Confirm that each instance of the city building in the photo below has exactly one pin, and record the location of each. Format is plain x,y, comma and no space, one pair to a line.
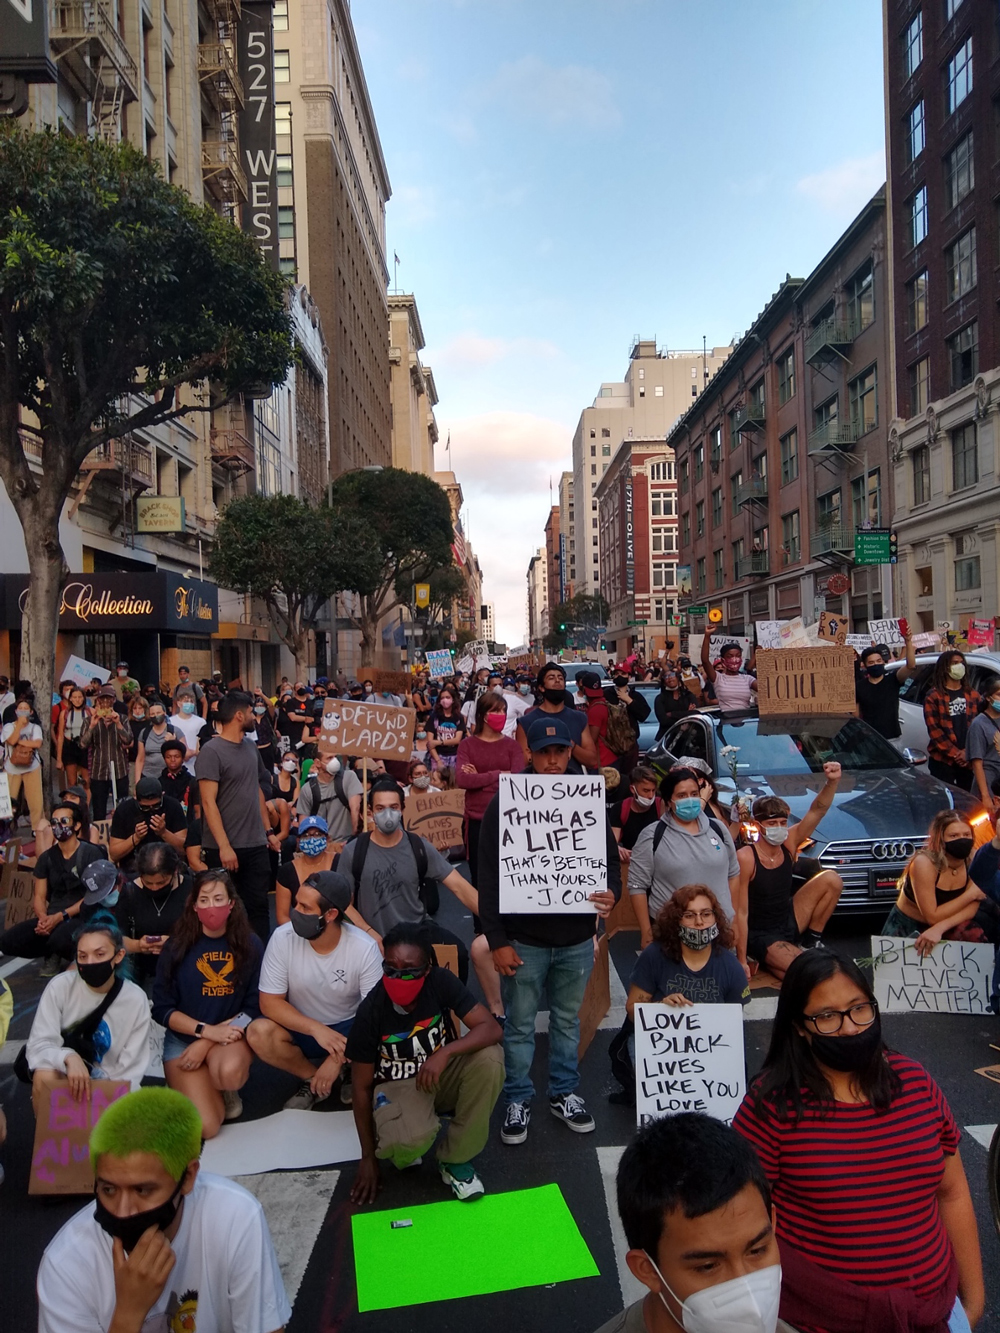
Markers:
414,395
465,616
553,561
489,622
659,385
942,115
538,598
637,512
567,539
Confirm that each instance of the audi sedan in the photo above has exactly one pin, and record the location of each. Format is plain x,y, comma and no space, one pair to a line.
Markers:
882,809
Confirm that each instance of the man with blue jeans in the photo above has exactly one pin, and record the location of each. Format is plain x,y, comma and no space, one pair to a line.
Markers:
541,952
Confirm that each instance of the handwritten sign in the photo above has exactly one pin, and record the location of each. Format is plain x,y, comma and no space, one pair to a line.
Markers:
438,816
833,628
806,681
81,672
440,663
859,642
19,893
103,827
769,633
60,1162
888,632
396,682
954,979
688,1059
979,633
553,842
927,640
375,731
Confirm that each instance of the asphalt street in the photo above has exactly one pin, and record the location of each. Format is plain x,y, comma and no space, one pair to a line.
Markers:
310,1213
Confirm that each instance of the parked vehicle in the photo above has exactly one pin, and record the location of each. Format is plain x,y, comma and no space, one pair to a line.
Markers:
983,667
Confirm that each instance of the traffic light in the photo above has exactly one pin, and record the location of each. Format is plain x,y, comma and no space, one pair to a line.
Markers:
893,548
562,628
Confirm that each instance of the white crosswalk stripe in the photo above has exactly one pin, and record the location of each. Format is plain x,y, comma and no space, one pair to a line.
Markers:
983,1134
631,1288
295,1204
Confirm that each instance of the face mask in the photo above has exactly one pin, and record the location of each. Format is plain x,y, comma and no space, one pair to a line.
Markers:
422,783
554,696
214,918
698,937
288,765
748,1303
959,848
403,992
306,927
388,821
62,832
129,1230
421,735
96,974
332,766
688,807
259,708
187,707
776,836
156,718
112,898
23,713
876,671
312,846
957,671
848,1054
496,720
123,675
731,667
446,702
643,802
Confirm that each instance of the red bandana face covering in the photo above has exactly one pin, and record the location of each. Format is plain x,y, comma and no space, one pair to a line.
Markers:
403,992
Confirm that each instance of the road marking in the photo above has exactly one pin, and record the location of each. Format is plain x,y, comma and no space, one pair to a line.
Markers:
983,1134
760,1009
295,1204
14,965
631,1288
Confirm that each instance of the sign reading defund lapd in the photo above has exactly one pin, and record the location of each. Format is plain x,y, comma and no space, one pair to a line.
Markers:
553,842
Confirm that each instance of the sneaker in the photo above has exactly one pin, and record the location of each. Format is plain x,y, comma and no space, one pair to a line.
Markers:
417,1161
346,1092
52,965
233,1104
463,1181
572,1111
304,1099
816,943
515,1123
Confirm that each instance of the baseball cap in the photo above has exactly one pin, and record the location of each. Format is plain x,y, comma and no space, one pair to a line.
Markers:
544,731
335,887
146,788
79,792
101,878
106,692
313,822
590,683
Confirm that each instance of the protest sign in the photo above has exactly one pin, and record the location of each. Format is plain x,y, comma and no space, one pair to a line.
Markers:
553,842
716,643
439,663
596,998
437,816
955,978
928,640
372,731
395,682
81,672
885,631
979,633
833,628
11,854
688,1059
769,633
103,827
858,641
60,1162
476,648
6,808
810,681
19,893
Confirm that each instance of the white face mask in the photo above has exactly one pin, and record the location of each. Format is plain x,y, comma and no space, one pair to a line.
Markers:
749,1304
288,765
332,766
956,671
776,836
643,802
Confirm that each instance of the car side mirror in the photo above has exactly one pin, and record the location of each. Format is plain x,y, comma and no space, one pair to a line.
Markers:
915,756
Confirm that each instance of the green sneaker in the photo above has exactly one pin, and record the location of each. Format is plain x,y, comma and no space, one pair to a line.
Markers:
463,1181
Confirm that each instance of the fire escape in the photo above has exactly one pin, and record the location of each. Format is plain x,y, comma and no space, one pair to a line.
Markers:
94,60
222,173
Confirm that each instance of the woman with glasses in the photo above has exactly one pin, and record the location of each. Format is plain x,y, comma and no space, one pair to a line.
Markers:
874,1217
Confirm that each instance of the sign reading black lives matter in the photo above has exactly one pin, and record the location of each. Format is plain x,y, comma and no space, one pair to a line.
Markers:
553,842
688,1059
954,978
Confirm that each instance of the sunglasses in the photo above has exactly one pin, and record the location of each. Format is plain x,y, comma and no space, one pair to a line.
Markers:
404,973
63,823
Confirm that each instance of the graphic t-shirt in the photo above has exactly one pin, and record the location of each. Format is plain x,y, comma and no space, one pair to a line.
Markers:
958,710
327,987
396,1042
720,981
447,731
205,984
63,875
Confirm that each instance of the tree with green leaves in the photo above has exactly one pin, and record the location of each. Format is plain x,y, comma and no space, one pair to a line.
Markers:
578,623
409,518
121,302
294,557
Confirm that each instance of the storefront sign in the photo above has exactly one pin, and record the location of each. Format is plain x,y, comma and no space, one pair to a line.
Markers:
159,513
629,540
257,128
160,601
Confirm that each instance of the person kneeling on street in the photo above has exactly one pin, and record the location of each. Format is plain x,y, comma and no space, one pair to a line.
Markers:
167,1246
408,1066
316,971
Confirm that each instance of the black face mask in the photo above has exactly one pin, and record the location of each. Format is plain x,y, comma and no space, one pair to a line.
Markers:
307,927
959,848
555,696
96,974
876,671
129,1230
848,1054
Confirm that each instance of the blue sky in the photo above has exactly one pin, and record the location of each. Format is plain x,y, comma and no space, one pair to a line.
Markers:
568,175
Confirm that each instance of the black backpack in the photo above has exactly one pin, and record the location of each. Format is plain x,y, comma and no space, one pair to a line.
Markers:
316,797
430,893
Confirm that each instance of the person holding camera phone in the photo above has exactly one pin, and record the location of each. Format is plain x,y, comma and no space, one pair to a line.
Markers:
147,818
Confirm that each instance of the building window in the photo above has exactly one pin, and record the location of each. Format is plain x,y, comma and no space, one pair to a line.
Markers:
951,8
735,482
964,457
963,355
913,44
282,67
286,224
716,506
869,510
828,509
918,217
916,131
916,302
658,391
699,462
920,383
282,118
658,610
863,396
283,169
683,478
642,390
789,457
968,576
654,508
685,529
699,518
702,581
920,462
280,15
960,265
605,432
959,171
757,396
790,537
738,551
606,450
593,469
786,376
593,451
593,434
663,575
960,75
861,298
734,435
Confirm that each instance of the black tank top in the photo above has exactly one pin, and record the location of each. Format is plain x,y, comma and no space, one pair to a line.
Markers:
941,896
770,892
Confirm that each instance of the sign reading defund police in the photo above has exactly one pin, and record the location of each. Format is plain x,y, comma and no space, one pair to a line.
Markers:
954,978
688,1059
553,842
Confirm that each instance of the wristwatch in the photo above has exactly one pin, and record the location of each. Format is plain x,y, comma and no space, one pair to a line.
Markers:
199,1029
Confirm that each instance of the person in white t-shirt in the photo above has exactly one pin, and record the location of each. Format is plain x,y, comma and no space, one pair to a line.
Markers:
167,1246
316,971
188,724
518,702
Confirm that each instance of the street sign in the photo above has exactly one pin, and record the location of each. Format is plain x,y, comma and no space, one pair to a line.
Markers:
697,610
676,622
872,546
638,622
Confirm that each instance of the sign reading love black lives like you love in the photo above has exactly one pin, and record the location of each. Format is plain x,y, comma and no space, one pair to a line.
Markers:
688,1059
553,842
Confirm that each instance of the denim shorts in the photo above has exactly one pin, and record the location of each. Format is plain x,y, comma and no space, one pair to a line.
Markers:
175,1044
311,1048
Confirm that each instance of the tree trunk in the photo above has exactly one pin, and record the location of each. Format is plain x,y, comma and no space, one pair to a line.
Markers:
300,647
368,625
40,618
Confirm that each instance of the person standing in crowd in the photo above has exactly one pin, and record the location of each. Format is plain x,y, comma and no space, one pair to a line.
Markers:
333,792
445,729
148,817
403,1079
234,813
982,748
615,743
315,854
22,741
185,685
937,892
557,702
187,722
71,757
686,846
265,718
673,701
518,702
124,683
107,739
316,971
641,808
877,690
205,995
149,761
949,708
175,780
150,905
64,1048
293,719
833,1107
543,951
138,723
167,1246
735,688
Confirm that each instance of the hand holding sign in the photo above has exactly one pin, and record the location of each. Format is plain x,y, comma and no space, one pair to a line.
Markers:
373,731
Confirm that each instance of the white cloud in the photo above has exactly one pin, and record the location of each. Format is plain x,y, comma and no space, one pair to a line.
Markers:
845,187
573,95
469,351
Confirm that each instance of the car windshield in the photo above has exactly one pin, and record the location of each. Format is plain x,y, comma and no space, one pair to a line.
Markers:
773,746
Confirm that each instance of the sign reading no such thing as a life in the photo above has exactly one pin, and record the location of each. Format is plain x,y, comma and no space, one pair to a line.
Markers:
371,731
553,842
688,1059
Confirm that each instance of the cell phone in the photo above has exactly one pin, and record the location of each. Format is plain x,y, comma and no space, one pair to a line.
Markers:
241,1021
154,939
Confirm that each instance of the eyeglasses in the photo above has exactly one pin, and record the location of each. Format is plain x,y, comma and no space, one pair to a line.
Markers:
691,918
832,1020
62,823
403,973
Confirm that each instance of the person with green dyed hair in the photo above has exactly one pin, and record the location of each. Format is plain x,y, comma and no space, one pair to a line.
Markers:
164,1245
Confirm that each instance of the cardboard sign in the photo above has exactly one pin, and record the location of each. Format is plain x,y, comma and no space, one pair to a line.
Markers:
438,816
373,731
688,1059
596,998
553,842
396,682
833,628
440,663
103,827
522,662
60,1162
446,956
980,633
806,681
954,979
885,631
81,672
19,894
928,640
11,857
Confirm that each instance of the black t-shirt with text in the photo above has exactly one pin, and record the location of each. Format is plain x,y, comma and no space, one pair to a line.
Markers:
879,704
398,1043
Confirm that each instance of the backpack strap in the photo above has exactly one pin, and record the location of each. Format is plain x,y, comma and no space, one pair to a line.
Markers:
338,787
658,833
419,853
714,824
315,797
358,858
660,807
626,810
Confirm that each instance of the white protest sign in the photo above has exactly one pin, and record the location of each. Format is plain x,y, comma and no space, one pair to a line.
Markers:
688,1059
769,633
81,672
928,640
466,664
439,662
477,648
6,809
885,631
716,643
858,641
954,979
553,842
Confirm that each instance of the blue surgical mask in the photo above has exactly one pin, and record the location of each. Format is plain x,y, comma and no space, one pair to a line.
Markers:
187,707
995,703
687,808
524,689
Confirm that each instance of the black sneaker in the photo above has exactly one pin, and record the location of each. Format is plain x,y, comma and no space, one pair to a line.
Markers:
572,1111
515,1123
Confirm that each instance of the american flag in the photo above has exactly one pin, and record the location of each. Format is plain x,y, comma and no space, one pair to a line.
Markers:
458,549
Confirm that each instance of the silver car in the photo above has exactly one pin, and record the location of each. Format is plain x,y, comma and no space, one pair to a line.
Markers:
982,669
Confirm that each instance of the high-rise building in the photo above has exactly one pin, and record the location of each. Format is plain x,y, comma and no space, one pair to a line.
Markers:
466,609
567,538
942,114
537,599
414,394
489,622
553,580
658,386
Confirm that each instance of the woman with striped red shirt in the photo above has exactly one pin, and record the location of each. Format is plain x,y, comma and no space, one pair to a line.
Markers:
874,1216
